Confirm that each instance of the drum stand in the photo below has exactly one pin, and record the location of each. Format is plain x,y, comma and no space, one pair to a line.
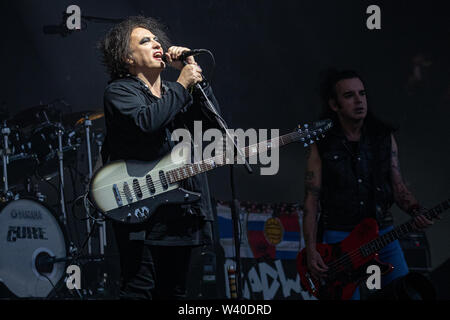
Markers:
72,248
61,174
5,157
101,225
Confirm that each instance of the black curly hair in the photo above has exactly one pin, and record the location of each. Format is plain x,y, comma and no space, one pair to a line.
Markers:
115,45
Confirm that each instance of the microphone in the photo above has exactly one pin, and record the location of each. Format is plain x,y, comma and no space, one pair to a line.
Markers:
44,263
189,53
186,54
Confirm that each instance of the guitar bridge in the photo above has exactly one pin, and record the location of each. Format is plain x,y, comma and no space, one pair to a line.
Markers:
117,195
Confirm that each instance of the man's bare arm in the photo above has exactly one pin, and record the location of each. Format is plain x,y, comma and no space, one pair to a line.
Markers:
402,195
313,177
313,182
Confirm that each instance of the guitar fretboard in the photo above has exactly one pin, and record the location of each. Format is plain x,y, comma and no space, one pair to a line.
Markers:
193,169
401,230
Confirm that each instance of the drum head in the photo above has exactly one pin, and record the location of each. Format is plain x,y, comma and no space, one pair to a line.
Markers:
29,229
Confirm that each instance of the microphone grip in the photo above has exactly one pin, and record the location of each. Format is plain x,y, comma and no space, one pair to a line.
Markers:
186,54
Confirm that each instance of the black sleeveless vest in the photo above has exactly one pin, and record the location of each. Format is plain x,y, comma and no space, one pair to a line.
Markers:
356,180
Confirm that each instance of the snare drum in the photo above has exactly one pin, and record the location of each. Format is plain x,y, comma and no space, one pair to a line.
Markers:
29,231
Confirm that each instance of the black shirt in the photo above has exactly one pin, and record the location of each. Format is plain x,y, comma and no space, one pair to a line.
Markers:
138,127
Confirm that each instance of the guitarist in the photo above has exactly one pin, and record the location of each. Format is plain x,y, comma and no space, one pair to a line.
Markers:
353,174
141,111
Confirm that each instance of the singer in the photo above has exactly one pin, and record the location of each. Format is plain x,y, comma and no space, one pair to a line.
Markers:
141,111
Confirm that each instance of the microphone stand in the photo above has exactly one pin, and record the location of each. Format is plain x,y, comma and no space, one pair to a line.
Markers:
235,210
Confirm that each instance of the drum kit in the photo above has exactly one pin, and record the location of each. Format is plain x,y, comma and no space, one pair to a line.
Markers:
35,246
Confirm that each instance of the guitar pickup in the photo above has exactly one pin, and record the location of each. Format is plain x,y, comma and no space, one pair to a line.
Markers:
137,189
162,178
150,185
117,195
127,191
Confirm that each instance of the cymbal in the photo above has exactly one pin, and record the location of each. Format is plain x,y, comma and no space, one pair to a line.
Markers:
77,118
35,115
93,116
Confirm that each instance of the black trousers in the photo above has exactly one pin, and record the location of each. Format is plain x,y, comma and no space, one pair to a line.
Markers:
153,272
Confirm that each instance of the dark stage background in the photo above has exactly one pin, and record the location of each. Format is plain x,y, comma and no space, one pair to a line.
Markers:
268,55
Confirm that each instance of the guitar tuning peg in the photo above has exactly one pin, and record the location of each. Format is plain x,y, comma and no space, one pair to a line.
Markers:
305,145
302,139
314,133
317,138
311,141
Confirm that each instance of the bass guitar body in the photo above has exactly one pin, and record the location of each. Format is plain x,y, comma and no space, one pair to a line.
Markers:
131,191
346,262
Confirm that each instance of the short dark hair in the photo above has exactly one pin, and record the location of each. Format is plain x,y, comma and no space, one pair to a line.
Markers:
114,46
329,78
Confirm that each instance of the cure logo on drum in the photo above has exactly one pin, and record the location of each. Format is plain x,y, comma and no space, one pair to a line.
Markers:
15,233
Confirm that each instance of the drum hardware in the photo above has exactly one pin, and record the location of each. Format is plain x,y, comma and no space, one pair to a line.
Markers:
61,174
99,137
44,264
35,116
6,151
87,122
45,144
33,189
84,119
18,162
36,143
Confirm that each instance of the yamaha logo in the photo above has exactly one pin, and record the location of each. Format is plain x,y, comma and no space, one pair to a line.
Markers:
26,214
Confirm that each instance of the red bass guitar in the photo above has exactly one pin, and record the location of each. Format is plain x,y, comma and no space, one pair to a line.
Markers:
348,260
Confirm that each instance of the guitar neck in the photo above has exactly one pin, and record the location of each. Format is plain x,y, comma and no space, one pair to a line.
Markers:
401,230
192,169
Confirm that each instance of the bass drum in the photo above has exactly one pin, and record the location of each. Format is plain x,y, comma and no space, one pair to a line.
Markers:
30,233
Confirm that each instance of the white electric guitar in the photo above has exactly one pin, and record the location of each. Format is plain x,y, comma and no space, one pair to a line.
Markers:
130,191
